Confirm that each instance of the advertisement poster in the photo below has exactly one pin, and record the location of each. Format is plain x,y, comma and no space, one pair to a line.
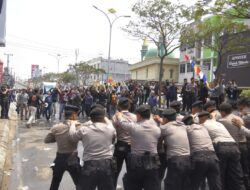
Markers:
34,71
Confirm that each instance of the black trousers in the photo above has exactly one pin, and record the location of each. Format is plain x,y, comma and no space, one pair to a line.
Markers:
120,155
96,174
177,174
61,165
5,109
142,179
244,163
205,165
191,99
230,166
163,165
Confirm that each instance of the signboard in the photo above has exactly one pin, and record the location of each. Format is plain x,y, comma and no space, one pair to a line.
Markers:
235,62
1,71
238,60
35,72
2,22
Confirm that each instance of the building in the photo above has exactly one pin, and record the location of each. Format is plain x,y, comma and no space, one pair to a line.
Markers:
206,58
118,69
148,68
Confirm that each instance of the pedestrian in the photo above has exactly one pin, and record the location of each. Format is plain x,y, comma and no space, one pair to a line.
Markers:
4,100
113,99
185,96
22,101
66,156
227,151
33,104
202,92
63,99
54,94
88,102
192,90
123,144
204,162
97,139
48,106
239,137
174,136
152,102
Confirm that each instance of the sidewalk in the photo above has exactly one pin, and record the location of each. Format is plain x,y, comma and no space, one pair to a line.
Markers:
5,127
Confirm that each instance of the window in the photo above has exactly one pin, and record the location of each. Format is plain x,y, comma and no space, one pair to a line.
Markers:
171,71
189,67
207,63
183,48
182,68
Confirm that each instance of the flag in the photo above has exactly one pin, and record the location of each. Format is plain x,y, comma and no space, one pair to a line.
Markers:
186,58
193,63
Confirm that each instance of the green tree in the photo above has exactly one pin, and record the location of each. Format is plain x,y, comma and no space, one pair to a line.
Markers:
208,33
67,77
83,71
160,21
232,9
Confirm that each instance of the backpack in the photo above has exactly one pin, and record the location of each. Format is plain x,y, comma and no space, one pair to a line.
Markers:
113,99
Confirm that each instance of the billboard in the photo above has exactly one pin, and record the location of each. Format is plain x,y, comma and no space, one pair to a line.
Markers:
235,62
2,22
1,71
35,71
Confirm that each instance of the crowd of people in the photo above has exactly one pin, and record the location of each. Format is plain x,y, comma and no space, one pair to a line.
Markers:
201,138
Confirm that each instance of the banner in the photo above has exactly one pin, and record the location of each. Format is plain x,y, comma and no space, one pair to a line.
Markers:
35,72
2,22
1,71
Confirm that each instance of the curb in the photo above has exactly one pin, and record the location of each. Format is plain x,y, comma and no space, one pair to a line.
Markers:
4,138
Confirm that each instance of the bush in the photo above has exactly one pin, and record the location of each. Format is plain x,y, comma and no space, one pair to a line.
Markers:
245,93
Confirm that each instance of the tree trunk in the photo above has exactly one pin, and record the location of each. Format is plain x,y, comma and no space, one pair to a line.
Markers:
160,80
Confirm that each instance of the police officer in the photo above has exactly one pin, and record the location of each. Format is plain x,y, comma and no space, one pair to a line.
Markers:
97,138
244,108
176,105
227,152
204,160
143,162
196,109
239,137
175,137
210,106
66,157
123,145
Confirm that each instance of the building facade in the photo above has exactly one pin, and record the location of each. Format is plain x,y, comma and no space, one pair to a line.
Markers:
118,69
206,58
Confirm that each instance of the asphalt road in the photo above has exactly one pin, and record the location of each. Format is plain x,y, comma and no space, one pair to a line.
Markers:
31,159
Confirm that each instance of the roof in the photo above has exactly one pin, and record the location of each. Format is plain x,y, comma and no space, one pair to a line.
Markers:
152,61
153,52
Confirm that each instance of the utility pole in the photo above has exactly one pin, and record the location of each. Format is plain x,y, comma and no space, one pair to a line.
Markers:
8,61
58,58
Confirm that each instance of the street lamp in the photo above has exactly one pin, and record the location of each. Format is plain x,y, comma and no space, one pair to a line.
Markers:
58,58
8,61
111,23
